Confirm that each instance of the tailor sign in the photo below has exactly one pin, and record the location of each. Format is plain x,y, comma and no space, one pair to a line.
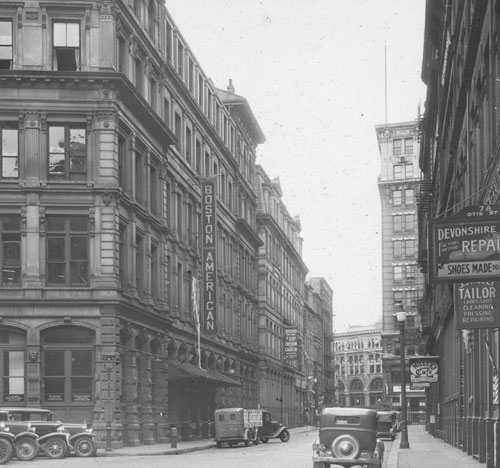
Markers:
209,254
424,369
477,304
466,247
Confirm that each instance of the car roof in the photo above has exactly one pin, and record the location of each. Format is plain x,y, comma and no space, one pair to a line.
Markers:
342,411
25,409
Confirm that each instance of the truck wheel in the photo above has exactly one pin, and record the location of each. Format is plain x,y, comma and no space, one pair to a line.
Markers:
218,444
26,449
6,451
85,447
55,448
285,436
264,440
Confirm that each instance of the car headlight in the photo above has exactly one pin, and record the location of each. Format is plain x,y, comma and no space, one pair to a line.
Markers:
3,427
61,429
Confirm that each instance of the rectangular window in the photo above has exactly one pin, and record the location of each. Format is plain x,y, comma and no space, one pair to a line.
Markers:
66,51
54,375
397,222
155,272
398,272
409,222
154,194
122,56
180,59
68,375
139,76
13,375
67,152
122,164
408,145
81,375
396,197
5,45
198,156
153,90
396,147
11,249
166,111
139,178
189,145
397,248
410,247
123,250
398,299
409,196
9,151
139,264
397,171
411,272
408,171
178,130
67,250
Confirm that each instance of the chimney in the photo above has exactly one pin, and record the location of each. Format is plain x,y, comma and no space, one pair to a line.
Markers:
230,87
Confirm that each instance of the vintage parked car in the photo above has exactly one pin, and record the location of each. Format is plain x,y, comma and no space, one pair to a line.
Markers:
236,425
272,429
80,438
21,441
387,424
348,437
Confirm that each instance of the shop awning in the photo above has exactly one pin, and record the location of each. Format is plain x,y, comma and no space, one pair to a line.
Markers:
185,371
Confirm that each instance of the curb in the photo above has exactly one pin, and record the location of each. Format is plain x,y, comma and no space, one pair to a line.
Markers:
177,451
392,461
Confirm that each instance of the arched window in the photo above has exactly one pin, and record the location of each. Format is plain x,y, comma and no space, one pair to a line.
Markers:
68,365
376,391
357,395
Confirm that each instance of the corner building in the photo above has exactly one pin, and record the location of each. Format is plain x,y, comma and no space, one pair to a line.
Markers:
460,162
108,125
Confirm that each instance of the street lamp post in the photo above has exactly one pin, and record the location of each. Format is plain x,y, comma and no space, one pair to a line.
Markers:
404,444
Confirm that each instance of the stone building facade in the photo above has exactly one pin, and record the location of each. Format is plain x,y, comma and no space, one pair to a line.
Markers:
128,220
358,358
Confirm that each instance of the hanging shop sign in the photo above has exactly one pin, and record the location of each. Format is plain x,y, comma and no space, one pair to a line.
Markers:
291,346
209,243
424,369
466,247
477,304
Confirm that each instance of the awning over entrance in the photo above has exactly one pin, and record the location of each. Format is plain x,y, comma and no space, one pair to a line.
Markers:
185,371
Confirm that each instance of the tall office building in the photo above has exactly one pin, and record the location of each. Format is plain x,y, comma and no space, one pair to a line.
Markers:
398,183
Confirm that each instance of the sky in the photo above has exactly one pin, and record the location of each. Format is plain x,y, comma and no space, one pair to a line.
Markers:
314,74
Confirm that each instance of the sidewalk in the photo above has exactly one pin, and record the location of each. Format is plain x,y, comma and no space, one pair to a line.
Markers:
182,447
427,451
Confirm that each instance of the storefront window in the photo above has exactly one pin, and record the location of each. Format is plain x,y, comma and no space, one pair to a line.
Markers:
12,352
68,365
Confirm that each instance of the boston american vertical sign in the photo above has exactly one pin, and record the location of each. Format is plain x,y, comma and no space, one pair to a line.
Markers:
209,243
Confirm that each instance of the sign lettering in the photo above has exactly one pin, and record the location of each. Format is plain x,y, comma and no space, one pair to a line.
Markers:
209,243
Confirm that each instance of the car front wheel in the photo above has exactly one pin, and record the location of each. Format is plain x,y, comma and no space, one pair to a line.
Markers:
85,447
285,436
26,449
55,448
6,451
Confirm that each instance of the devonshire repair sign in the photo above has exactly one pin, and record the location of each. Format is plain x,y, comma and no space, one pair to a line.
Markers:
466,247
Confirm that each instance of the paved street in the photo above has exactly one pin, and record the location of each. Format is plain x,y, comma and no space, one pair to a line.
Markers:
294,454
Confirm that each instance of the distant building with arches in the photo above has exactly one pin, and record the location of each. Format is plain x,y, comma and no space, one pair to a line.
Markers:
357,355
